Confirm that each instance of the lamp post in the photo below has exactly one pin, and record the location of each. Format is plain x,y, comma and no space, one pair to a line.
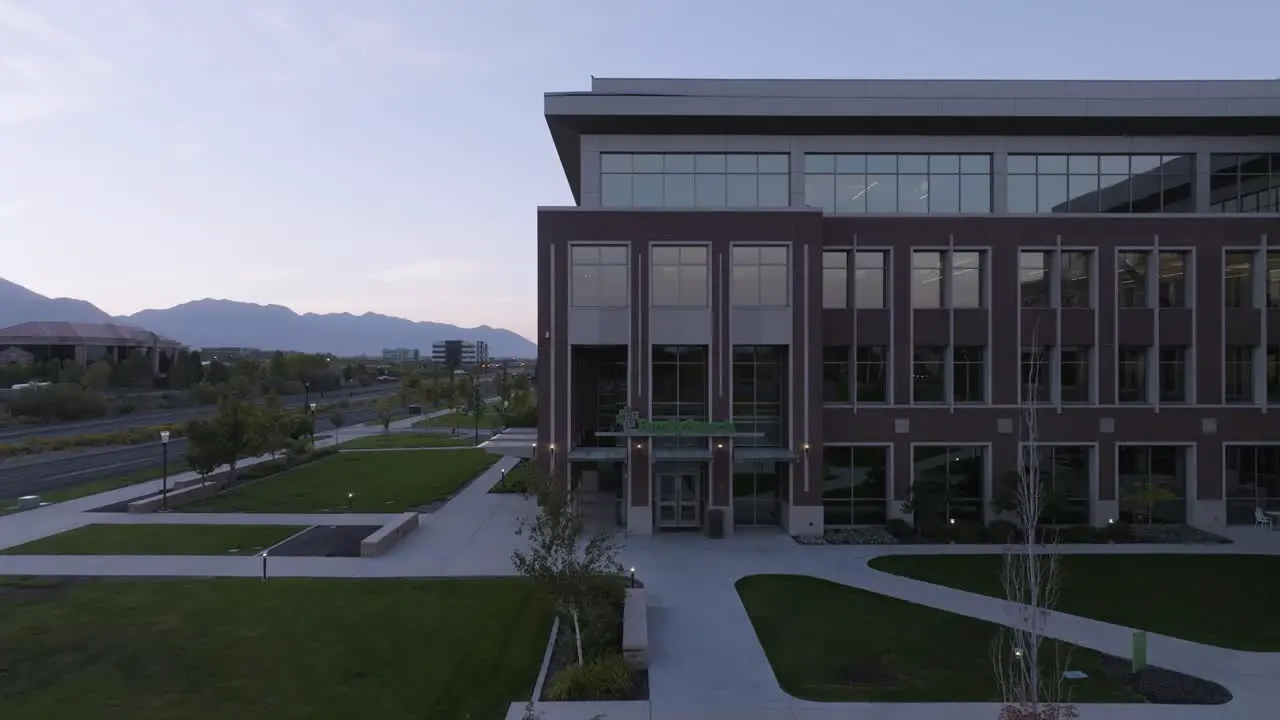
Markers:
475,408
164,483
311,407
306,393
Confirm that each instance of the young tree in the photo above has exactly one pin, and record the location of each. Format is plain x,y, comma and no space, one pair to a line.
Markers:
337,419
1030,680
384,413
238,427
557,560
478,408
274,430
204,452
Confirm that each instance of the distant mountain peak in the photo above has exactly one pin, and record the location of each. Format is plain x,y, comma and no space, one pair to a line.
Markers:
217,322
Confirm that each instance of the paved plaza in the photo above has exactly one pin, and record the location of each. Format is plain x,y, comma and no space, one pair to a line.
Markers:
705,660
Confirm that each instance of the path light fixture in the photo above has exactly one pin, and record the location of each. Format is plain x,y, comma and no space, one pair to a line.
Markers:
951,521
312,407
264,566
164,482
633,577
350,499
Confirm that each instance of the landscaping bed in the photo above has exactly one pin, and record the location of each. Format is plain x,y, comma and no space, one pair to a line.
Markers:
383,482
158,539
326,541
605,674
829,642
1001,532
516,480
1224,600
320,649
405,440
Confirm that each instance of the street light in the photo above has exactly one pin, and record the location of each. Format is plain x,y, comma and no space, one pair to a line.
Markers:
164,486
312,407
306,393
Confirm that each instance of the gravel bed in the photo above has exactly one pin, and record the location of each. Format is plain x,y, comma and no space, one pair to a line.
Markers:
325,541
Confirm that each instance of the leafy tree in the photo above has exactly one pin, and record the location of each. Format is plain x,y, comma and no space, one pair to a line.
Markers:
97,377
238,429
557,560
204,448
183,373
274,430
384,413
217,373
337,419
134,371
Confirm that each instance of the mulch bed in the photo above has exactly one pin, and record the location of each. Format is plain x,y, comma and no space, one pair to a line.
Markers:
564,654
1166,687
1129,535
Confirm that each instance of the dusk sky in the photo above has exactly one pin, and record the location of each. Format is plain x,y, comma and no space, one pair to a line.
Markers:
388,156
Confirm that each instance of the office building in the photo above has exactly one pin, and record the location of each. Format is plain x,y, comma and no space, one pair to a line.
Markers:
400,355
789,301
460,354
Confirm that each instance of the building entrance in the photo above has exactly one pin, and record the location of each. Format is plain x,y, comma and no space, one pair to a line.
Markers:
679,500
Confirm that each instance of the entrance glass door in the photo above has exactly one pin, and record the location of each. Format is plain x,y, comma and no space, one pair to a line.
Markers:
679,500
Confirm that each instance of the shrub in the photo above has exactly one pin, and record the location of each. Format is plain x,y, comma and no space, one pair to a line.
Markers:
58,403
898,527
968,532
1002,531
602,679
1077,534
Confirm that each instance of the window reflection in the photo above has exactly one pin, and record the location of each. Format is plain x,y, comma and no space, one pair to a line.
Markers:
1131,279
869,279
1238,280
1244,183
884,183
678,180
926,279
1100,183
1033,276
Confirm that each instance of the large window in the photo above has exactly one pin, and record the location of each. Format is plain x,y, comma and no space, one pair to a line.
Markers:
1036,376
1131,371
1273,374
1033,277
680,275
759,276
835,279
1132,268
951,475
871,373
898,183
855,485
967,375
1172,367
679,389
1245,183
938,276
1273,279
1100,183
928,384
1074,374
599,276
758,372
1171,278
1153,483
869,279
710,180
1064,475
757,493
1252,481
1237,279
835,374
1237,374
1074,287
1037,270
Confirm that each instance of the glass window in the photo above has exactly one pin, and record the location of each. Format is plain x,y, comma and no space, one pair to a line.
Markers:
1238,280
1036,378
679,180
1063,471
869,270
928,385
1131,278
926,279
679,389
1131,368
871,373
1033,277
835,374
1238,374
679,276
966,279
1140,467
1074,374
835,279
1252,481
1273,279
1273,374
954,475
910,183
759,276
1100,184
967,375
1173,374
599,276
1173,279
855,487
758,372
1247,183
1074,284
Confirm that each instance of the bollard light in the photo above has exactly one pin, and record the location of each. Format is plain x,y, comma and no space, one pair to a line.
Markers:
633,577
264,566
349,500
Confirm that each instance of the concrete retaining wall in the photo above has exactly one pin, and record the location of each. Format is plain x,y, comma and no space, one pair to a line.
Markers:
182,496
635,628
388,535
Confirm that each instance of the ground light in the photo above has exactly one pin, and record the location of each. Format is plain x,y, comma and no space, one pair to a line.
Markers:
164,482
633,577
349,500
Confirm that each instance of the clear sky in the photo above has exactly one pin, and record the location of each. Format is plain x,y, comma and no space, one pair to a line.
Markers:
388,155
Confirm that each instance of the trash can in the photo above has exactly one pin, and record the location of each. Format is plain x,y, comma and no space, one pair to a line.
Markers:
715,524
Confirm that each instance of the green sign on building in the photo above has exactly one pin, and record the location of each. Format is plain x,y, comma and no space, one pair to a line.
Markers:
629,423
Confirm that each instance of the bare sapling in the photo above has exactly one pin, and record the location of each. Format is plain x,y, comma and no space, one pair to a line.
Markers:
1028,674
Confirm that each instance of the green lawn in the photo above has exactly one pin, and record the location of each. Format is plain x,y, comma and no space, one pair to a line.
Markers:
516,480
406,440
491,420
833,643
382,482
1224,600
154,539
283,649
85,489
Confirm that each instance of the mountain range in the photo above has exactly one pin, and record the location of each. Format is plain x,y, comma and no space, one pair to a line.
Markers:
227,323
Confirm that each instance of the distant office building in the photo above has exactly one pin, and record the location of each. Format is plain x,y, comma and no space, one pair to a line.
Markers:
455,354
229,354
400,355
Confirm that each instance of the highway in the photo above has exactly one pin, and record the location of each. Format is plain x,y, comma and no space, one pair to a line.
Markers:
125,422
40,476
